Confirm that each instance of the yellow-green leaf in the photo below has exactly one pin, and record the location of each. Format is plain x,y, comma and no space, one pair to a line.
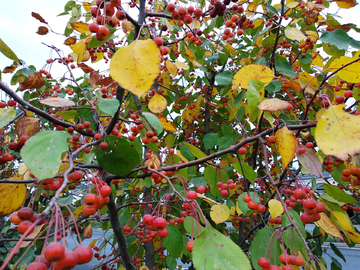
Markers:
275,208
286,145
350,73
294,34
252,72
195,151
338,133
157,103
135,67
8,52
219,213
6,115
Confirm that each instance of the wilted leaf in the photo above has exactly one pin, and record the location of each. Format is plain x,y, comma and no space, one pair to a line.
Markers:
181,65
157,103
275,208
351,73
94,78
311,162
293,85
32,235
12,197
38,17
6,115
167,125
70,41
219,213
294,34
345,27
42,30
35,80
171,68
57,102
286,144
135,67
27,126
85,67
88,231
346,3
312,18
273,104
10,69
126,26
80,26
252,72
328,226
338,133
5,50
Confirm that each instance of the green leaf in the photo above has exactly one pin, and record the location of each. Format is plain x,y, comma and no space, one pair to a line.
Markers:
192,226
94,43
42,153
337,252
124,216
6,115
109,106
354,43
213,250
225,142
185,151
339,38
338,194
306,59
171,262
120,157
153,121
243,205
250,174
285,69
240,113
66,200
263,245
195,151
273,87
253,96
199,181
173,242
224,78
210,140
8,52
211,177
238,99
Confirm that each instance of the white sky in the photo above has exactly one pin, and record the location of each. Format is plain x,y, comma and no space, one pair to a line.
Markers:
18,29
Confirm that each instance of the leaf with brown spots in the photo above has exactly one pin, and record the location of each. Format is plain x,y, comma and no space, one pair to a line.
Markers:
38,17
70,41
345,27
42,31
10,69
346,3
27,126
292,84
85,67
94,78
35,80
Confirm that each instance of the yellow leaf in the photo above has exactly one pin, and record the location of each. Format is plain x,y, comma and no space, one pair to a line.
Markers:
286,144
207,199
230,48
93,242
354,236
275,208
273,104
157,103
12,196
208,53
170,139
328,226
135,67
80,51
23,171
87,5
219,213
308,80
126,26
312,35
269,118
181,65
346,3
195,24
144,267
337,133
344,220
78,211
166,80
157,242
350,73
80,26
294,34
167,125
291,4
153,161
171,68
238,210
252,72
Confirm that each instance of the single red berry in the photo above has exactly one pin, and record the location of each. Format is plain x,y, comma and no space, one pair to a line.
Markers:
263,262
191,195
190,245
247,198
105,191
54,252
104,145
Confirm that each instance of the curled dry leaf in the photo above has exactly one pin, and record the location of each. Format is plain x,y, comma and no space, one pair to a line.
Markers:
27,126
38,17
35,80
42,30
126,26
10,69
57,102
88,231
105,82
94,78
273,104
85,67
345,27
70,41
293,85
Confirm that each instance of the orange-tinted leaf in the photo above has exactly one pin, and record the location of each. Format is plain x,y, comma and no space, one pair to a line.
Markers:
312,18
105,82
328,226
57,102
32,235
345,27
70,41
85,67
94,78
80,26
273,104
42,30
38,17
167,125
286,145
35,80
10,69
293,85
157,103
27,126
11,197
346,3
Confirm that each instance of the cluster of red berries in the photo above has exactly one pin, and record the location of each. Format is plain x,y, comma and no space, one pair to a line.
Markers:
94,202
224,187
156,224
285,259
24,218
184,15
346,175
312,210
253,205
150,136
58,258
